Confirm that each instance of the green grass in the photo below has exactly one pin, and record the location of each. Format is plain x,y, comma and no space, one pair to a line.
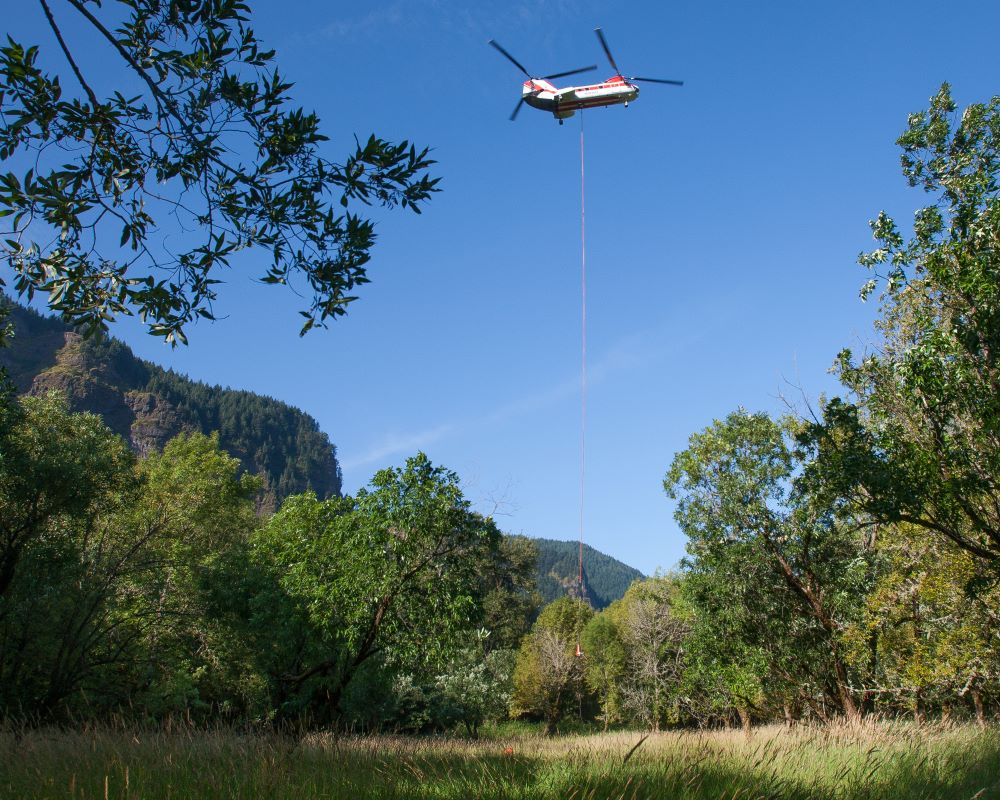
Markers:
875,761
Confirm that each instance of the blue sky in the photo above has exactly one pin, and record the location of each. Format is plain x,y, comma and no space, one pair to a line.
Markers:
723,223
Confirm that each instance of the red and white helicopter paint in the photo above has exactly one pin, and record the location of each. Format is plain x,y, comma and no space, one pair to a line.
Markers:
563,103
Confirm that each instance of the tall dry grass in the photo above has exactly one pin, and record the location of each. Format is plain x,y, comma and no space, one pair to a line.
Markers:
880,760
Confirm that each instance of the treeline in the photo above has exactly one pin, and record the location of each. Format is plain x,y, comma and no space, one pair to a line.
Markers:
800,621
151,588
604,578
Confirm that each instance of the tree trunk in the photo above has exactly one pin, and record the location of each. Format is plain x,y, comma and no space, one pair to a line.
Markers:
813,708
846,701
977,701
744,719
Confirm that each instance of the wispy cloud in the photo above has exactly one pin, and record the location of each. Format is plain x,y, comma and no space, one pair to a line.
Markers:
482,19
393,443
352,27
627,354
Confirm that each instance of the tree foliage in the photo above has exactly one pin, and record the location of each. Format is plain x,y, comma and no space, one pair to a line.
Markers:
742,501
635,653
549,677
390,573
201,139
921,443
53,464
107,604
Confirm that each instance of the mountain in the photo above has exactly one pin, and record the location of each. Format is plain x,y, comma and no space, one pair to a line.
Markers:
605,579
148,405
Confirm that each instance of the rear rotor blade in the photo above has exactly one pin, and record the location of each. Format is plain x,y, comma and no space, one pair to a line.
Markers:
658,80
571,72
510,58
607,50
516,109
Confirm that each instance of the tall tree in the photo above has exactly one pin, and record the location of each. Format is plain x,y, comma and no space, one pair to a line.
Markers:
605,666
510,596
109,606
921,443
194,511
740,502
60,474
133,201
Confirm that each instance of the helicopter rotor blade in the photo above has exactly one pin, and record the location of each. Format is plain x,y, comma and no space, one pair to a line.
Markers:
517,108
510,58
607,50
571,72
658,80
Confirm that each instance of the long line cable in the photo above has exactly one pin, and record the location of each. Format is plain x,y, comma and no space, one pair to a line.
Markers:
583,348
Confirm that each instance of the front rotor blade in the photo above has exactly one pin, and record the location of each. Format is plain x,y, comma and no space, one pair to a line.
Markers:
607,50
516,109
571,72
510,58
658,80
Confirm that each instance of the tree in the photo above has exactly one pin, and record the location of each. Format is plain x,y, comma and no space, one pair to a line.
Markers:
605,666
59,474
474,688
510,597
738,639
921,443
132,203
194,511
109,604
653,638
741,501
52,464
635,654
548,675
389,574
929,641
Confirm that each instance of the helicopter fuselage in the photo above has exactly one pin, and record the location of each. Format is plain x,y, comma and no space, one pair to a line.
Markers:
563,103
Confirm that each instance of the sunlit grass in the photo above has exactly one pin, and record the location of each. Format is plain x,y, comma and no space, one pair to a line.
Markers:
875,761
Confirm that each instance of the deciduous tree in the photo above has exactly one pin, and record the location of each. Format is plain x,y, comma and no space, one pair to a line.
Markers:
549,676
390,572
920,444
52,464
741,502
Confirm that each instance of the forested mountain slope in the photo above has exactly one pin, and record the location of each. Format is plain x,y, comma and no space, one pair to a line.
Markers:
148,405
605,579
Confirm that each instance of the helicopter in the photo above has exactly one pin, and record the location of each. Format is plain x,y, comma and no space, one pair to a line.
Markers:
563,103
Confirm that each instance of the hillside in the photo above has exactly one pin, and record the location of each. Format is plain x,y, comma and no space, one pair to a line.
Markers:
147,405
605,579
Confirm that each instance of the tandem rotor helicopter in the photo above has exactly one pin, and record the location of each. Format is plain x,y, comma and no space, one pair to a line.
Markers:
563,103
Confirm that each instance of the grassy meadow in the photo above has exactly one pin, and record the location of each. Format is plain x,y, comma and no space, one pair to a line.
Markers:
882,760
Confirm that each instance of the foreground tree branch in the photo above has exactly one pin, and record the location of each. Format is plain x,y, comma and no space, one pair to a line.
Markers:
212,154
